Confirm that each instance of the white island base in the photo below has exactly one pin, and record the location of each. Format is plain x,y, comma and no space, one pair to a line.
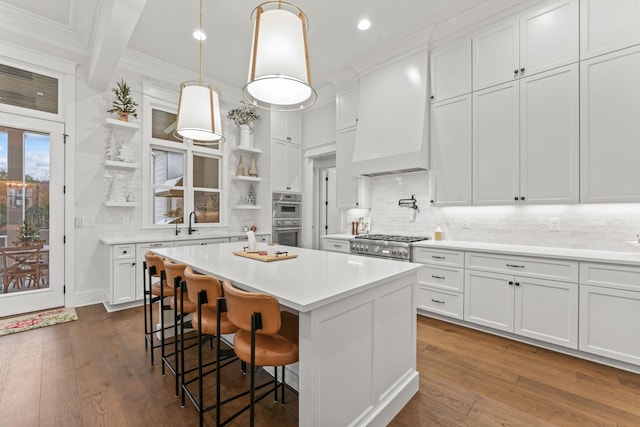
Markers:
357,326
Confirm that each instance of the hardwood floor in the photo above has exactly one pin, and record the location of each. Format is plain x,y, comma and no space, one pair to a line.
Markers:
96,372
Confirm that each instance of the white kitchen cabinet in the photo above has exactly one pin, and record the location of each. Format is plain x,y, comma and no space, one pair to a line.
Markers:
610,323
122,274
347,108
202,242
286,126
495,145
451,149
609,127
262,238
351,191
451,71
607,25
495,55
539,40
550,137
440,284
526,140
545,310
286,166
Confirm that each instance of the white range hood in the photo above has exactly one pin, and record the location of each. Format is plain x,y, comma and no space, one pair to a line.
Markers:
392,133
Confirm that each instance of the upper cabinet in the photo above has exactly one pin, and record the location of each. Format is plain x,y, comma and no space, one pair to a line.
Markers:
451,71
607,25
286,126
351,191
610,107
347,108
286,166
541,40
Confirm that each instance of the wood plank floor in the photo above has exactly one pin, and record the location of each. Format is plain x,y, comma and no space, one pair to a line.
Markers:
96,372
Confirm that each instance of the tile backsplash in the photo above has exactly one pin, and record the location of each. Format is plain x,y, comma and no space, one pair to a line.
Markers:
584,226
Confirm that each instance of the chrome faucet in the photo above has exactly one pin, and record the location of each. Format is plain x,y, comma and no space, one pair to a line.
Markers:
195,221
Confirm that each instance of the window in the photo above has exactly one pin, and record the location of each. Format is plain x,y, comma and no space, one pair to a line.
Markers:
183,176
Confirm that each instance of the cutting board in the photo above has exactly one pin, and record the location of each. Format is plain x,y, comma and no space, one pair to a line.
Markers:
262,256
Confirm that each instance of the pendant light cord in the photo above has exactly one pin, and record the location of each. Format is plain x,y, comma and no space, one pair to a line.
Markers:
201,37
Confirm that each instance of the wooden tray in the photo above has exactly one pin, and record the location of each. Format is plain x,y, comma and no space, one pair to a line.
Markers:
262,256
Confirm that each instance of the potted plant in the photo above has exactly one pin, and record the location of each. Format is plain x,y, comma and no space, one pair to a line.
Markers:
243,117
28,234
123,105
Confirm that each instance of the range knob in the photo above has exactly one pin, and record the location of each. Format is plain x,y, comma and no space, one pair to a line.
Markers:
376,249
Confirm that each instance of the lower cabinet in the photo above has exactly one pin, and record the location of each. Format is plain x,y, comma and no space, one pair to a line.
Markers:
545,310
336,245
440,282
610,311
141,249
123,277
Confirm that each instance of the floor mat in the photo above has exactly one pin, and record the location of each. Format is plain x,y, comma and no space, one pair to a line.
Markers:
25,322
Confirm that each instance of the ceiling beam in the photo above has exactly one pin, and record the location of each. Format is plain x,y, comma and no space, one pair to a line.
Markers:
115,22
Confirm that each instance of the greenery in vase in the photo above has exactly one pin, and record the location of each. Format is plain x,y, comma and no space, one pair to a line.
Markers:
27,233
244,115
124,103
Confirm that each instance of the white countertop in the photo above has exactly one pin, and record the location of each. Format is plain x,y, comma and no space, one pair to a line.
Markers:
121,240
313,279
630,258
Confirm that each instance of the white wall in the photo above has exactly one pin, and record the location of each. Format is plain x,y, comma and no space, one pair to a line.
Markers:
586,226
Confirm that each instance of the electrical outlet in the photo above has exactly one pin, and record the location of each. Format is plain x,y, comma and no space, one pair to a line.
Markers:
554,224
465,222
78,221
87,221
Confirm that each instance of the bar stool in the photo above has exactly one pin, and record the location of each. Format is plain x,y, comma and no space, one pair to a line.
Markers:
174,273
155,289
266,337
208,322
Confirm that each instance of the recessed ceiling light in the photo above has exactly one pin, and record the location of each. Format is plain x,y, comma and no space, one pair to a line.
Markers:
364,24
199,35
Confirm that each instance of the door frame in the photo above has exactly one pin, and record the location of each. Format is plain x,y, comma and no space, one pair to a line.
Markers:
66,73
310,186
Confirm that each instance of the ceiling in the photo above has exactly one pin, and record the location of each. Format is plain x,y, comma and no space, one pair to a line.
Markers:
162,29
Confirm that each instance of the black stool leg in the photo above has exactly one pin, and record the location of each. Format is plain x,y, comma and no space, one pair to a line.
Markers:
144,302
183,288
176,292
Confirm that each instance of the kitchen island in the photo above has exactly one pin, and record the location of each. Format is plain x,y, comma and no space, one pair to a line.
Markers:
357,326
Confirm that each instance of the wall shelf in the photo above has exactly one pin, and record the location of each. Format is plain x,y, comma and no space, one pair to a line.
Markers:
120,204
247,207
121,165
247,150
246,178
122,124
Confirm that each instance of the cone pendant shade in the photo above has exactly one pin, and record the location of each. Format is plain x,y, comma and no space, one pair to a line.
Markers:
199,112
279,74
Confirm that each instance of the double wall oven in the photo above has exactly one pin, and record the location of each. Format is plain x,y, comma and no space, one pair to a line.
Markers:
287,219
385,246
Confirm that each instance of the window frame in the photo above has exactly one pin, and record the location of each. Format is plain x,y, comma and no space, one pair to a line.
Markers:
189,150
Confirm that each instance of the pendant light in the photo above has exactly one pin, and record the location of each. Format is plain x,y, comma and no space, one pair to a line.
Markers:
279,74
199,109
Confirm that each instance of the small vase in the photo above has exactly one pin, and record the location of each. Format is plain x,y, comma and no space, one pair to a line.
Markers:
245,136
123,117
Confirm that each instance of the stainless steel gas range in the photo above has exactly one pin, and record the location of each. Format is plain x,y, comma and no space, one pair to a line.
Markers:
385,245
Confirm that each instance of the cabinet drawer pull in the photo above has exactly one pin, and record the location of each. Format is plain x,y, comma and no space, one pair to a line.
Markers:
437,301
337,246
515,266
437,257
438,277
153,245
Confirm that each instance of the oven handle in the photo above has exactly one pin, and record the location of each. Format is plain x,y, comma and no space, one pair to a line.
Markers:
278,202
276,229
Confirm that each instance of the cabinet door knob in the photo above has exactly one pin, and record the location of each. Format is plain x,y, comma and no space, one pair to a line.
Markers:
517,283
432,97
522,70
133,263
515,198
521,197
511,282
515,71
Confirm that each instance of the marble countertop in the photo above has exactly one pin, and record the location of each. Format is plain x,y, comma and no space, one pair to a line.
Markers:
614,257
313,279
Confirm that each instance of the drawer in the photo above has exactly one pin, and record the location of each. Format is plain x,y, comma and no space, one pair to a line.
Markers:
610,276
442,302
438,256
451,279
123,251
551,269
337,245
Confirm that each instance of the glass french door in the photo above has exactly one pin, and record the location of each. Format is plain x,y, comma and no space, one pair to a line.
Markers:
31,214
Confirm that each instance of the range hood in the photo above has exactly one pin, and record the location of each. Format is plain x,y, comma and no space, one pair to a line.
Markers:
392,133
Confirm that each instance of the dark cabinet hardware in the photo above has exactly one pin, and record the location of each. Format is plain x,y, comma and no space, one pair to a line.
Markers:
437,301
437,257
517,283
515,198
438,277
521,197
515,71
522,70
511,282
515,266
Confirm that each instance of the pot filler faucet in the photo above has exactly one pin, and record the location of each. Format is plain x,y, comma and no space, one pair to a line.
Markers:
195,221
